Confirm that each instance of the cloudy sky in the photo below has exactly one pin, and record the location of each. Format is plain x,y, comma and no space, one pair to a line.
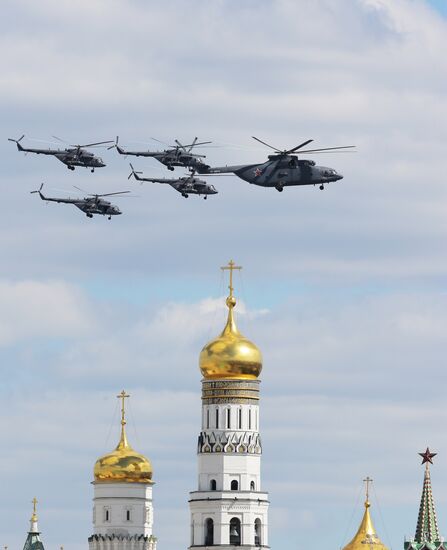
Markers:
343,290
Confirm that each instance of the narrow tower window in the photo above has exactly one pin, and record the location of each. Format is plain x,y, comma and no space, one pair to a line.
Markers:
257,532
213,485
106,515
249,419
207,418
252,485
217,418
235,531
234,485
209,532
240,418
127,515
228,418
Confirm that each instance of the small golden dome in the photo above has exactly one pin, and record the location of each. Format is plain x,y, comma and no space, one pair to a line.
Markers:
230,355
366,536
123,465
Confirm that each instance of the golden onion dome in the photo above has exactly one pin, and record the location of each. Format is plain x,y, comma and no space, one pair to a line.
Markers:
230,355
366,536
123,465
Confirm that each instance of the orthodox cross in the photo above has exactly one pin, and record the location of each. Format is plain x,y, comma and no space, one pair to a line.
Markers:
367,481
231,267
34,502
123,395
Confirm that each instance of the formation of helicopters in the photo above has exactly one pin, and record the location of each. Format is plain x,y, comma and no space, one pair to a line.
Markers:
282,169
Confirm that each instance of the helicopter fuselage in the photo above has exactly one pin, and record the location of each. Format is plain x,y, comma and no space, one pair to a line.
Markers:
282,171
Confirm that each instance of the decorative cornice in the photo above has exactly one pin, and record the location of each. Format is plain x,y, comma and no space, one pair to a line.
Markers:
229,442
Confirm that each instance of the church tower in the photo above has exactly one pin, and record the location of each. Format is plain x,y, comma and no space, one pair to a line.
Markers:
33,541
229,507
427,532
122,503
366,537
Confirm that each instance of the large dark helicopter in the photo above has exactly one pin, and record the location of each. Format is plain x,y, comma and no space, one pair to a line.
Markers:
92,204
175,155
283,168
188,185
72,156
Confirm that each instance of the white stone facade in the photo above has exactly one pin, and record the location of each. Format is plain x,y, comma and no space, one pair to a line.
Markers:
122,517
229,507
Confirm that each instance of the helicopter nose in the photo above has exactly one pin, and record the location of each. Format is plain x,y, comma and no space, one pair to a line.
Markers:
338,176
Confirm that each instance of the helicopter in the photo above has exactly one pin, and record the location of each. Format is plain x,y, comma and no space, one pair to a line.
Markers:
188,185
76,155
176,155
93,204
283,168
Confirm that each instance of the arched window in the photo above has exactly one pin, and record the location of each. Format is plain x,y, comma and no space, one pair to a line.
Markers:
257,532
252,485
228,418
217,418
234,485
235,531
213,485
209,532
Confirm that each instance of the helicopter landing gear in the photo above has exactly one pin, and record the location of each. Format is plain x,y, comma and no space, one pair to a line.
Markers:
279,188
205,197
71,167
170,168
89,215
321,187
109,218
92,170
185,195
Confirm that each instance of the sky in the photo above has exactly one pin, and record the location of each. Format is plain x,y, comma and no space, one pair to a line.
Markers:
343,290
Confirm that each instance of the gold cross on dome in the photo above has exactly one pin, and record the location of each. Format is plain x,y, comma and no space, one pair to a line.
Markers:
123,395
231,267
34,502
367,481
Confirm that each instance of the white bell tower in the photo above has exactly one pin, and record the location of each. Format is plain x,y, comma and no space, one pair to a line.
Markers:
122,503
229,507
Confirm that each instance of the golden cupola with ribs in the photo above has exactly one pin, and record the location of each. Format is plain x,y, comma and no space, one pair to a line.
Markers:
230,356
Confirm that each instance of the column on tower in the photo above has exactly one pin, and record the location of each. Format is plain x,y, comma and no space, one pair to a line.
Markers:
427,533
229,507
122,503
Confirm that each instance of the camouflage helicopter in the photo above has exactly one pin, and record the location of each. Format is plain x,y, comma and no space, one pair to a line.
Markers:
283,168
73,156
175,155
188,185
92,204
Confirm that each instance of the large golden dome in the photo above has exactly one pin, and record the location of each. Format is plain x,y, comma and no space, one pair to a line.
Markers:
230,355
123,465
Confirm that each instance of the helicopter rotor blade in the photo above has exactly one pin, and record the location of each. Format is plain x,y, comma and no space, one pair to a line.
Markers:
327,149
264,143
115,144
164,143
93,144
299,146
63,141
79,189
109,194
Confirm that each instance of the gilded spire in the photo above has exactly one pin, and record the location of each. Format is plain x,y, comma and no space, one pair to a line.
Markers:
427,525
33,541
33,521
123,443
366,534
230,355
